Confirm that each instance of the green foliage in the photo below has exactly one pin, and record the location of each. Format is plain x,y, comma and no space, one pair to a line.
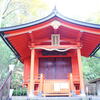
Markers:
15,12
91,67
20,91
5,54
6,58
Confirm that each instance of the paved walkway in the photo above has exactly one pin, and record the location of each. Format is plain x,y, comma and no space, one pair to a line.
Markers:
19,98
47,98
56,98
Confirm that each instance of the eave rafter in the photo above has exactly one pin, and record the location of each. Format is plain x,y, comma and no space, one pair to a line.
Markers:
25,31
55,24
31,37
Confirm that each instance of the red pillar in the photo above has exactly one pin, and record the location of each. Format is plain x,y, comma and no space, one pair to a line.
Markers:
26,70
80,71
36,65
31,89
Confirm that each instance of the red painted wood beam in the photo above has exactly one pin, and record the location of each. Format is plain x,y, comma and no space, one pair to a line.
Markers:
55,47
73,41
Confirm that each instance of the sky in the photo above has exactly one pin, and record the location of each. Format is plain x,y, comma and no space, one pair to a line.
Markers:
75,8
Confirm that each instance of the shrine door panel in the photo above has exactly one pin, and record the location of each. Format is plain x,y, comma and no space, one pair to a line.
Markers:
55,68
63,67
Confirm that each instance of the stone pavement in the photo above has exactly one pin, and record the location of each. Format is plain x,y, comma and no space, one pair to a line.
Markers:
56,98
19,97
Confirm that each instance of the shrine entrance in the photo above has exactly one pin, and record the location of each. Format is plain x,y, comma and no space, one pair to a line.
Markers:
56,72
55,67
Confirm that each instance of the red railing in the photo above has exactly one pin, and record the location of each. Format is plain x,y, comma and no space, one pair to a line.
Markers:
38,82
47,85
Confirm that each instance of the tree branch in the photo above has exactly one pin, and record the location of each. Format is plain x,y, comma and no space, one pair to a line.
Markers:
6,7
9,13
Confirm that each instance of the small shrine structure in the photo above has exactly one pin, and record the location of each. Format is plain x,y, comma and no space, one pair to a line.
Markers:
51,50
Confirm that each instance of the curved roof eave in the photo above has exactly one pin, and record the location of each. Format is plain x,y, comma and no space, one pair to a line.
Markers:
50,16
10,46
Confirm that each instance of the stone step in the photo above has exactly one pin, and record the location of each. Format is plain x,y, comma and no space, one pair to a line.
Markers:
59,98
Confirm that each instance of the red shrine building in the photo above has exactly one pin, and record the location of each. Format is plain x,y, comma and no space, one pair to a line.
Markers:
51,50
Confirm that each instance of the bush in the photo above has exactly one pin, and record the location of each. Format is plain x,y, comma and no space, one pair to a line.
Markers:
19,92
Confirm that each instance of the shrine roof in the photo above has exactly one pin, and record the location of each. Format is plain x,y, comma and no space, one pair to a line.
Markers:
50,16
95,80
18,37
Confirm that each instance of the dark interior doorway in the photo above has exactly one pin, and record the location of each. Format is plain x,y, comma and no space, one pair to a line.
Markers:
55,68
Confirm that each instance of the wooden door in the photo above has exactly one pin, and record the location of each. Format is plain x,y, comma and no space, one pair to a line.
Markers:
55,68
63,67
46,66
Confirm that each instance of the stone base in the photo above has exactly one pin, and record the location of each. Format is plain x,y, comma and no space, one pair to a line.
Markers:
73,93
82,93
30,96
40,94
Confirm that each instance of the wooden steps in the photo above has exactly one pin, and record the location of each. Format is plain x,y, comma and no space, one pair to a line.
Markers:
56,94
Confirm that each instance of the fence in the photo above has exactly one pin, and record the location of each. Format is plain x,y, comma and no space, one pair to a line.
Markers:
5,88
90,89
